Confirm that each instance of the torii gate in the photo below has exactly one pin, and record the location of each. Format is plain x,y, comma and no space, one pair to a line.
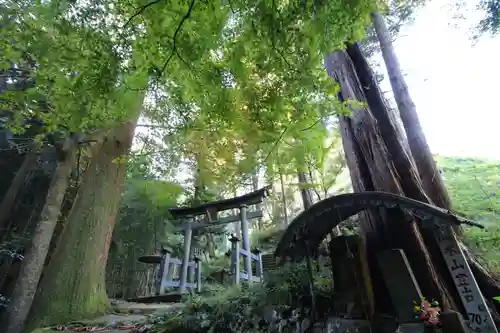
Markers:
211,210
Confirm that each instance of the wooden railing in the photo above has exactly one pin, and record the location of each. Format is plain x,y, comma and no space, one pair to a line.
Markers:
169,274
250,259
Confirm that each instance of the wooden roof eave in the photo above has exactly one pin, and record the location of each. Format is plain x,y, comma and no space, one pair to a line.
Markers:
221,205
315,223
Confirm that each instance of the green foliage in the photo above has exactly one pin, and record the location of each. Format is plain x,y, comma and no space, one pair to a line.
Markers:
490,23
146,201
242,77
213,267
266,239
241,309
474,187
142,226
68,75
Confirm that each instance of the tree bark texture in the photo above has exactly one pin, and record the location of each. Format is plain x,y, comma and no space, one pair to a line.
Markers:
412,186
73,286
373,167
304,189
133,237
255,186
426,166
15,187
283,199
431,180
33,263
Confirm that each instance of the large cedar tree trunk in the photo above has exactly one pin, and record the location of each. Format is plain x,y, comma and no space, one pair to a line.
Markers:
373,167
411,186
429,174
255,186
73,285
33,263
426,166
283,199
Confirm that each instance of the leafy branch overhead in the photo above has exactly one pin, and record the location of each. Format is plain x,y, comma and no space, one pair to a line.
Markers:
252,72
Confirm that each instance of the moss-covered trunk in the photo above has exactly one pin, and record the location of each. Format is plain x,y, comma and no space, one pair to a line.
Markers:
33,263
73,286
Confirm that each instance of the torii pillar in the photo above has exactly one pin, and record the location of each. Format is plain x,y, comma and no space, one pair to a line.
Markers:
188,235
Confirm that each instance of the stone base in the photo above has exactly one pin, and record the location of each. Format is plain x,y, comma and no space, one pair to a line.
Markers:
342,325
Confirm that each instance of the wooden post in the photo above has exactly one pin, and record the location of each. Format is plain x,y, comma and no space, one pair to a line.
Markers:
452,322
401,283
160,274
246,242
479,316
166,268
258,263
235,259
197,270
188,234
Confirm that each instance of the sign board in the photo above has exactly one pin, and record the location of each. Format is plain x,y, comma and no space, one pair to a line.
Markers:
479,316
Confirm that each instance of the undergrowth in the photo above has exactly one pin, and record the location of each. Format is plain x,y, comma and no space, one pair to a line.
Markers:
280,301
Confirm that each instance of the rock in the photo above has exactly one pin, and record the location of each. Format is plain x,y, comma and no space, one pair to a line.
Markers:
269,314
341,325
318,328
411,328
304,325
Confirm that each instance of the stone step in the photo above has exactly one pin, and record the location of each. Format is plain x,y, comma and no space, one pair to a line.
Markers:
268,262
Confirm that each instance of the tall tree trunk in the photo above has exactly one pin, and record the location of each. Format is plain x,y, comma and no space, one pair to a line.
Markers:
411,188
73,286
33,263
488,285
15,187
426,166
372,166
255,186
283,199
304,189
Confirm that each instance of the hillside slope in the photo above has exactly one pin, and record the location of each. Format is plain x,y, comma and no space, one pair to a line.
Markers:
474,187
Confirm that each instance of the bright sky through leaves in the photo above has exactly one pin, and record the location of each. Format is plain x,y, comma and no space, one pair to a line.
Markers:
453,83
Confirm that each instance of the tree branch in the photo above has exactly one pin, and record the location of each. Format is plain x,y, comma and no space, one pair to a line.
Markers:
174,48
275,144
140,11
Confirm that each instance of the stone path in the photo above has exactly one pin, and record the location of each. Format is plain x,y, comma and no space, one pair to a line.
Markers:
125,317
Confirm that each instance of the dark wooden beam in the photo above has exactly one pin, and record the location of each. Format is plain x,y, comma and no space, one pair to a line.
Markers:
248,199
224,220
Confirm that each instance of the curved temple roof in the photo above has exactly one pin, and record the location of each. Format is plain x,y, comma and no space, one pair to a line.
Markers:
316,222
251,198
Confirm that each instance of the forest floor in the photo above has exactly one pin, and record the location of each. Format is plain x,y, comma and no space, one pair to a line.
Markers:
125,317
